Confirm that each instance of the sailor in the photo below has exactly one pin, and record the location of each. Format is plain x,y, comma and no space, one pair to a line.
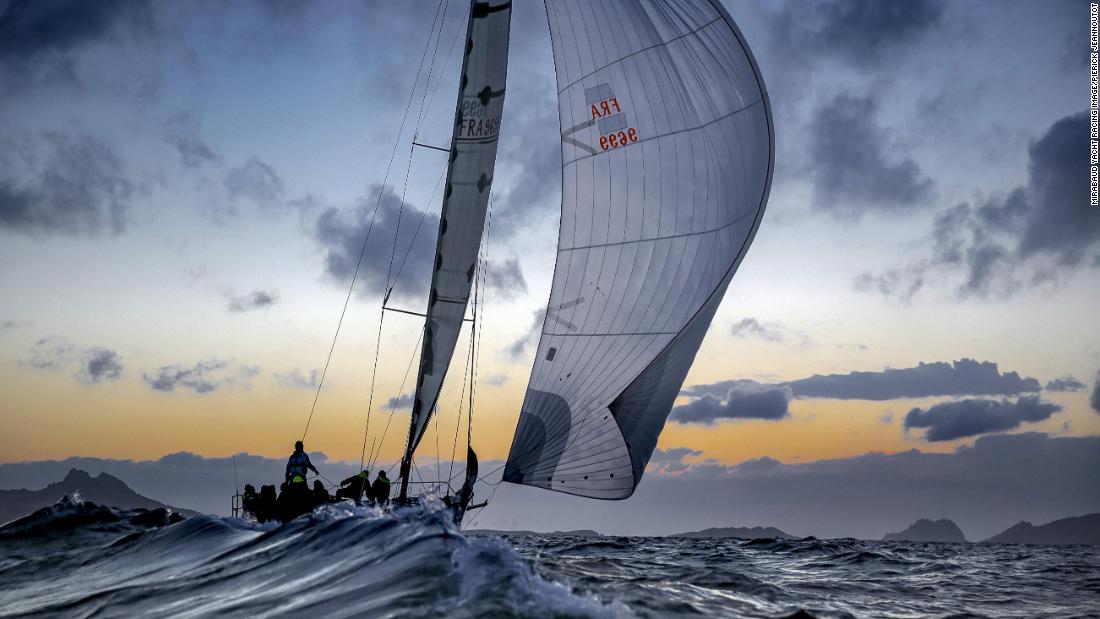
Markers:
380,491
352,487
250,500
295,499
320,495
298,463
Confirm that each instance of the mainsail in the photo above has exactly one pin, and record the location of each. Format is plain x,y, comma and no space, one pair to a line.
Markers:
667,157
465,198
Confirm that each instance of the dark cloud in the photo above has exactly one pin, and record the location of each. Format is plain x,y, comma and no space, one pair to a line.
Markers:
193,151
341,234
1066,383
296,379
865,33
73,185
403,401
29,28
1026,238
506,279
40,39
203,377
985,488
752,327
742,401
853,169
1094,399
948,421
257,181
259,299
93,365
517,350
962,377
101,364
671,460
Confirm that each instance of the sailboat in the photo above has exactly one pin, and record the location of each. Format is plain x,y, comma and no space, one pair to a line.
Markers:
667,157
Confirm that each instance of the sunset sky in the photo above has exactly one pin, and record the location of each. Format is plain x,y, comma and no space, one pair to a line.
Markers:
183,184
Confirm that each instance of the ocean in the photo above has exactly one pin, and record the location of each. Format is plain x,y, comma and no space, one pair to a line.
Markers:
79,560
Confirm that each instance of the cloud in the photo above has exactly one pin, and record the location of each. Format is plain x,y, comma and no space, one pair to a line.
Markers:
1094,399
864,33
72,185
495,380
996,482
31,28
769,332
1066,383
193,151
203,377
853,170
341,233
11,325
403,401
745,400
1025,238
101,364
257,181
39,40
985,488
295,379
259,299
748,327
93,365
962,377
506,278
518,348
52,352
671,460
948,421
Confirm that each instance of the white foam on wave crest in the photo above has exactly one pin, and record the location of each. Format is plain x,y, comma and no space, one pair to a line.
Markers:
341,560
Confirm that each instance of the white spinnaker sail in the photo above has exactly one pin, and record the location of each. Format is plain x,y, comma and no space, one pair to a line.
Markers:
466,195
667,157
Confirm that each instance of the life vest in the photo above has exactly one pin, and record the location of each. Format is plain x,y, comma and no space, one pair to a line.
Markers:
297,464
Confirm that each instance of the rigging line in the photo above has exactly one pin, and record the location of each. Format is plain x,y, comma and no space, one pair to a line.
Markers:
420,224
431,67
374,454
373,374
370,228
458,418
450,54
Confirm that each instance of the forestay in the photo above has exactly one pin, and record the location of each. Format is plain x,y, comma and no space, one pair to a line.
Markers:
667,156
466,194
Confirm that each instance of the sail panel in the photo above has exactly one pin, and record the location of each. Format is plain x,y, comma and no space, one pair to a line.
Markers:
667,154
465,198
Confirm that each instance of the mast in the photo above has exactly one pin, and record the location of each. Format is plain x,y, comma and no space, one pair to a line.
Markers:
472,158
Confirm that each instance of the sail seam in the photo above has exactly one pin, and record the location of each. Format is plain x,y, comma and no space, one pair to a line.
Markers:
671,133
635,53
660,238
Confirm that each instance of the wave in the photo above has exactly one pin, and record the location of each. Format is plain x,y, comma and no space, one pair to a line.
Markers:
340,560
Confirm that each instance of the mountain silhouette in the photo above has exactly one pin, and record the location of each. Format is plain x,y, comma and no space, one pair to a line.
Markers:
925,530
741,532
102,489
1077,530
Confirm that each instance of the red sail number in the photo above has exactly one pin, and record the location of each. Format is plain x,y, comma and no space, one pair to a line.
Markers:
615,140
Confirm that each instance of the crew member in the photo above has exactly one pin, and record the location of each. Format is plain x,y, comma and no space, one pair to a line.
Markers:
298,463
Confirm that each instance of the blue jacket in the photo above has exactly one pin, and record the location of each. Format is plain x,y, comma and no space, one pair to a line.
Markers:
298,464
